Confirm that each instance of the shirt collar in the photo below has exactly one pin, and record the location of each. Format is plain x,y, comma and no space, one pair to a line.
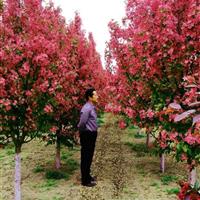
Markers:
91,104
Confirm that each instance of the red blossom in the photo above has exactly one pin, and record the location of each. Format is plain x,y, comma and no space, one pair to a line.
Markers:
122,124
48,109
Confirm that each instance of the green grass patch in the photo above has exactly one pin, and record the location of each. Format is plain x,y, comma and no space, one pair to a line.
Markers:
38,169
100,121
139,135
72,165
66,155
2,155
10,146
138,147
10,152
47,185
58,198
136,135
166,179
132,127
55,174
172,191
141,149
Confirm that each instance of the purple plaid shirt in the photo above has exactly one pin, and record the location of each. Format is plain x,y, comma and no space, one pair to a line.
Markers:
88,118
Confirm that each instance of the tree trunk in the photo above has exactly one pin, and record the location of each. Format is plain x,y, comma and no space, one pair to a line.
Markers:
148,139
58,160
148,131
162,162
192,176
17,176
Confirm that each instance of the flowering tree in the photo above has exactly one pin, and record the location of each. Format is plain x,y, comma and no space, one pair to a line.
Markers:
86,71
45,68
186,113
32,59
156,46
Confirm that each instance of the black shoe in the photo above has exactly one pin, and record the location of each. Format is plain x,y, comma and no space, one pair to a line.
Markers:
91,184
93,179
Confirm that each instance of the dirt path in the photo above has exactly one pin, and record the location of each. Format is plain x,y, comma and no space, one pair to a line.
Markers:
122,174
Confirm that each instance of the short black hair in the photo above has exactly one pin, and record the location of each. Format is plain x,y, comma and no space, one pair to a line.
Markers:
89,93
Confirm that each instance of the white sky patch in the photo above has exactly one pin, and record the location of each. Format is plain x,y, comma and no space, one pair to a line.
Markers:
95,15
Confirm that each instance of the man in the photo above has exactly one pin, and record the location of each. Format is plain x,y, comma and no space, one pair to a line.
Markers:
88,134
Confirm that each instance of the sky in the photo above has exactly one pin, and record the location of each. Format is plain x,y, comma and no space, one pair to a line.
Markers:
95,15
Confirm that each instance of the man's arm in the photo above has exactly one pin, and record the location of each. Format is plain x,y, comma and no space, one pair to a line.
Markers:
83,119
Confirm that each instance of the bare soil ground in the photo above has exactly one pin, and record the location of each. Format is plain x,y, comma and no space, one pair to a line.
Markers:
126,170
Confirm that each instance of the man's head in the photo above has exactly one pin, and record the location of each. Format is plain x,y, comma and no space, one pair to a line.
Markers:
91,95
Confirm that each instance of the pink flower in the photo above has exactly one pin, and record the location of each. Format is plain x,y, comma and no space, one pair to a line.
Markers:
8,108
190,139
150,114
183,156
163,135
129,112
28,93
171,117
2,81
6,103
42,59
163,145
108,107
122,124
48,109
53,129
25,69
13,118
173,136
142,114
44,86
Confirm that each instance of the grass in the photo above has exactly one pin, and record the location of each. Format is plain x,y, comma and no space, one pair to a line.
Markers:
172,191
38,169
100,121
66,155
166,179
55,174
10,146
141,149
10,152
58,198
131,127
136,135
2,156
139,136
72,165
138,147
47,185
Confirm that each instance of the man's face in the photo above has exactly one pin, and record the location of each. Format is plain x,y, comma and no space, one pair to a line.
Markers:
94,98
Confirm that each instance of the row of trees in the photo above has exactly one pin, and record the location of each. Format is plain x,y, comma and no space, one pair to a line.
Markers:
154,57
45,67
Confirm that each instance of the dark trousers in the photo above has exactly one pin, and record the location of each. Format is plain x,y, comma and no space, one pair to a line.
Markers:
87,140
